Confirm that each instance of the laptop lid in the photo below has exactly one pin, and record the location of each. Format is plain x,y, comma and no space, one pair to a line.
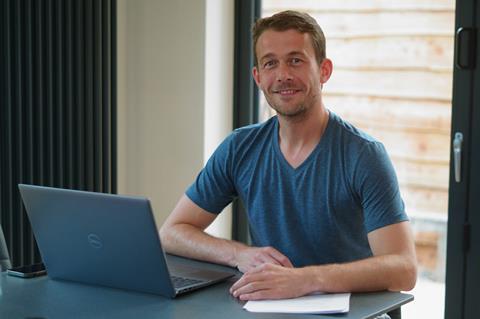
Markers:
102,239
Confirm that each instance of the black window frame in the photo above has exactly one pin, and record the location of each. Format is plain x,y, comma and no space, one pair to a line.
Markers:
245,96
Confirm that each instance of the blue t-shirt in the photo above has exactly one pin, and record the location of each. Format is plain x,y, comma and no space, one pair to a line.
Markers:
317,213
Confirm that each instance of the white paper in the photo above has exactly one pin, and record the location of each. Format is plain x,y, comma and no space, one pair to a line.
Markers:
315,304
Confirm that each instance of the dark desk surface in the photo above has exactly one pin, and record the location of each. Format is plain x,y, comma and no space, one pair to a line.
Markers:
42,298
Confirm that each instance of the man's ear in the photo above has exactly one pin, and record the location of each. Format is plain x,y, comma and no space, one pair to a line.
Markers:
256,76
326,69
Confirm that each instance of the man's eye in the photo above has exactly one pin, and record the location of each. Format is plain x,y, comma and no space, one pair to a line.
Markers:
296,61
269,64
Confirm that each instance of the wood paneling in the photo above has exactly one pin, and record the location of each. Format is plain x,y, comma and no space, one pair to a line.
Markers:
348,24
428,175
429,116
392,83
419,53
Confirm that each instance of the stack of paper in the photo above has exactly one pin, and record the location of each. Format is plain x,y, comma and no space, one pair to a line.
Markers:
315,304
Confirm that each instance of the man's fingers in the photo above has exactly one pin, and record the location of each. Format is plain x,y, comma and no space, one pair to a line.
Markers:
269,281
280,258
256,295
263,294
249,288
260,268
266,256
253,275
236,285
252,258
244,280
248,285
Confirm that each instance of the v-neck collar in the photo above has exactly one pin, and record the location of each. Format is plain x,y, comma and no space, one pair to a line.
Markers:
310,156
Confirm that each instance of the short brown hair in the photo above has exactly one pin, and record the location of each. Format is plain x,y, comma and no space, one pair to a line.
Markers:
295,20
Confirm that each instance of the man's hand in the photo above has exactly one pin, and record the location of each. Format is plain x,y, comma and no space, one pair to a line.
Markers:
248,258
269,281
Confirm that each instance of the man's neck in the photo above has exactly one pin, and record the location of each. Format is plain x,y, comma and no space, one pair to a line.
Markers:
299,136
303,130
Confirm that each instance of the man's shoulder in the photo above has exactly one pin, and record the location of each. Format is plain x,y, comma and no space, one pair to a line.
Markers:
253,131
350,133
257,126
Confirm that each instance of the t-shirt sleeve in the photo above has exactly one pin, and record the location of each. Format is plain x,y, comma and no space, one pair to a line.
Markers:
377,187
213,188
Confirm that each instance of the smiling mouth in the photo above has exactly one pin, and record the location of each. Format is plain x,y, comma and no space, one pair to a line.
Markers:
286,92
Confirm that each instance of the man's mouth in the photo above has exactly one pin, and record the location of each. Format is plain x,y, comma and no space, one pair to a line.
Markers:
286,92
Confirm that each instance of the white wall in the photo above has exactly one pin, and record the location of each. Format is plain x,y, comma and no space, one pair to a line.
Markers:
219,89
175,84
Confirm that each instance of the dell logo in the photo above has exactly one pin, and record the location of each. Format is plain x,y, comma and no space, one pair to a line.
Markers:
94,241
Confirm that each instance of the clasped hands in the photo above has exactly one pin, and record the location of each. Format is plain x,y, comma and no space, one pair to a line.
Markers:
268,274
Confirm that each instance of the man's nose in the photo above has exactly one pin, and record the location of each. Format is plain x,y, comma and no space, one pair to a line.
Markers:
283,73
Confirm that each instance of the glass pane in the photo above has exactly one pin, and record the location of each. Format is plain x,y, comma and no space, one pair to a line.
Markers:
392,78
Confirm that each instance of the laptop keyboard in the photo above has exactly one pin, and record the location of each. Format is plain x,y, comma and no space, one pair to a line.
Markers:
180,282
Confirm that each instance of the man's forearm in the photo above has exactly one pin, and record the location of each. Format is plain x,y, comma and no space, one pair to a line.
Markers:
189,241
386,272
183,234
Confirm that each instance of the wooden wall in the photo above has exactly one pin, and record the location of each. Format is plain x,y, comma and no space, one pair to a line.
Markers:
393,64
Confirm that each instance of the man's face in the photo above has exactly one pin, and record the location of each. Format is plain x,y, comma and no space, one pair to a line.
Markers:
288,72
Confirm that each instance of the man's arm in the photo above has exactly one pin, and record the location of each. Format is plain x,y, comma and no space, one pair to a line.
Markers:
183,234
393,267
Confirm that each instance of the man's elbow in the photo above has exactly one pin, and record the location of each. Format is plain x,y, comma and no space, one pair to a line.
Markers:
166,236
407,276
410,276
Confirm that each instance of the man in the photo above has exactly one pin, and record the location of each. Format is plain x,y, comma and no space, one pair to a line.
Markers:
322,198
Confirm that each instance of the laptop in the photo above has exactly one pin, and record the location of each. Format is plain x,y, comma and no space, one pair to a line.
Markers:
108,240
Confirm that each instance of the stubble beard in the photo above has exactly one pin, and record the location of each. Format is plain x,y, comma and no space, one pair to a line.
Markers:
296,112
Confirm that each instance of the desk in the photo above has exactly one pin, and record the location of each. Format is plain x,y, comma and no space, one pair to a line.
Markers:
42,298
